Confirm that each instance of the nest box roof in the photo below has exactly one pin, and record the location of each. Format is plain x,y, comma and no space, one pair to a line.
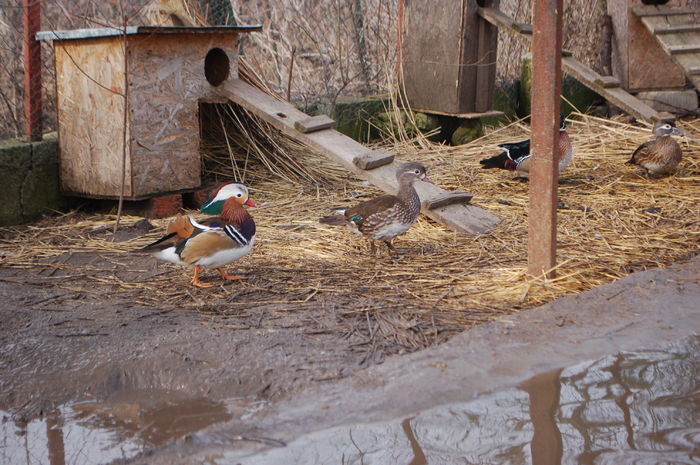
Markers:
132,30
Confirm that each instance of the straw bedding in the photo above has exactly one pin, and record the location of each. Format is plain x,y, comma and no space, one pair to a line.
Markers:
612,221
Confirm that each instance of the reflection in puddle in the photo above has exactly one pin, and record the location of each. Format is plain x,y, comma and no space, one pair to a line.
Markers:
633,408
97,433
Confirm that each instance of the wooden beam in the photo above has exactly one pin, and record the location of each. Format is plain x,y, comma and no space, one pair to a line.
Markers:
544,168
344,150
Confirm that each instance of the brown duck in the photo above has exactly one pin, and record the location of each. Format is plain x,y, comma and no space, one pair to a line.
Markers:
385,217
660,156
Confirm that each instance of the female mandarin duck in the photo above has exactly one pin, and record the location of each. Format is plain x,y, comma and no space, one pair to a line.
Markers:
660,156
385,217
216,241
516,156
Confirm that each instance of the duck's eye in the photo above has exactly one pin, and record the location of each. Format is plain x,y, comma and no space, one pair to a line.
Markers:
239,195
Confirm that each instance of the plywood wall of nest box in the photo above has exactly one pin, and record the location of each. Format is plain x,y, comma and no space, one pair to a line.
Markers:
166,72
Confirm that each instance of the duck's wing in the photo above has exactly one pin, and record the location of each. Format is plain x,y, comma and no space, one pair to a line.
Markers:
363,210
177,232
517,150
216,235
643,152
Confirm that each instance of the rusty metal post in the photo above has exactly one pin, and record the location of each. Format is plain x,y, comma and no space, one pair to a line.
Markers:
31,19
544,169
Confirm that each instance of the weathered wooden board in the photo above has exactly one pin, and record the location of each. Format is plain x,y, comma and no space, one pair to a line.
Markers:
447,52
639,62
314,123
373,159
679,35
90,116
588,77
342,149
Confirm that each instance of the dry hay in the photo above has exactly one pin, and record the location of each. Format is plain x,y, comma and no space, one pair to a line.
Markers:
613,221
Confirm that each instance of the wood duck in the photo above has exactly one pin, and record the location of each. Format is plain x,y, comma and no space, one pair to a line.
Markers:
385,217
215,241
516,156
660,156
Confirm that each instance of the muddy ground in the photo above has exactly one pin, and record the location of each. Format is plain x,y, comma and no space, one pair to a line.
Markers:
82,325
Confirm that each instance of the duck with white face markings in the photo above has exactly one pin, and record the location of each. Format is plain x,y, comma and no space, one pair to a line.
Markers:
659,157
214,242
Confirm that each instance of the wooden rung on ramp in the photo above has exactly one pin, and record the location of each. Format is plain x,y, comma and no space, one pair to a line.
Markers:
453,213
314,123
373,159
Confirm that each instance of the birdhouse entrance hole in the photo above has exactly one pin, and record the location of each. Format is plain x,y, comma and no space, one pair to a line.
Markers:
216,66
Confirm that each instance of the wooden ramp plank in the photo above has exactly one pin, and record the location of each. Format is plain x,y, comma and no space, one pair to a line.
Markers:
603,85
344,150
679,36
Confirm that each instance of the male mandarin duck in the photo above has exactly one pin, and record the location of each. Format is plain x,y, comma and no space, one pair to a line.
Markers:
516,156
385,217
660,156
214,242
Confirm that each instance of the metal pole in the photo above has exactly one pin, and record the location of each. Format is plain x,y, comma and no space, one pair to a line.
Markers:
31,20
544,169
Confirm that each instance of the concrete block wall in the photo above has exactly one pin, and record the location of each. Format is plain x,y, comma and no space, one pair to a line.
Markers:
30,180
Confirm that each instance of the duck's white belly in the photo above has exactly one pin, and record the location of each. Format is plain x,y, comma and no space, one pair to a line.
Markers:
226,256
215,260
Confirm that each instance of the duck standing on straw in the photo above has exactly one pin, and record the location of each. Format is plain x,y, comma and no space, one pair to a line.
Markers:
214,242
385,217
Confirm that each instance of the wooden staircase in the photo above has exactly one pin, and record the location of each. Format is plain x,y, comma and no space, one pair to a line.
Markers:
678,32
606,86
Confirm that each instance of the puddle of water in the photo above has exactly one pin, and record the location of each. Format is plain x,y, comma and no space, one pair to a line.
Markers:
91,433
637,408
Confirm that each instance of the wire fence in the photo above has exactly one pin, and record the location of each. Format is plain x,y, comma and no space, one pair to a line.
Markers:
309,50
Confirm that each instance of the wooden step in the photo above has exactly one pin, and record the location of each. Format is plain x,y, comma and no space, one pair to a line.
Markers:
373,159
314,123
674,49
677,29
607,82
694,70
450,198
650,10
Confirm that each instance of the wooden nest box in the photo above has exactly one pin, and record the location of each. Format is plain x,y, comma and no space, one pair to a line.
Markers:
448,57
164,75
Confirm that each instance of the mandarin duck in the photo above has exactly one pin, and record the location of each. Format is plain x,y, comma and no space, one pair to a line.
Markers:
215,241
660,156
385,217
516,155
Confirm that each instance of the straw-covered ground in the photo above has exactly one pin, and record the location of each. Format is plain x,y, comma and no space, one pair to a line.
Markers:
612,221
